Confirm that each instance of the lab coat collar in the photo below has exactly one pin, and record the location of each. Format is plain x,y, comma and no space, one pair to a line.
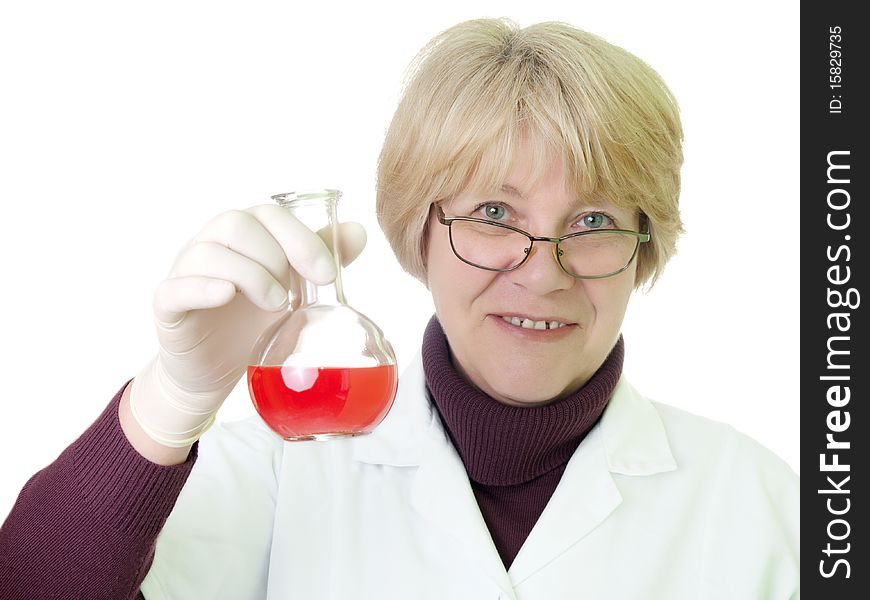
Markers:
632,434
400,439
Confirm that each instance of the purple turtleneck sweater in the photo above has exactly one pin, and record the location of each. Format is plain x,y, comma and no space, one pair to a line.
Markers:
514,456
86,525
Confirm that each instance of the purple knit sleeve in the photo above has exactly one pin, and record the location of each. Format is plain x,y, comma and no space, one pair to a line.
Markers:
85,526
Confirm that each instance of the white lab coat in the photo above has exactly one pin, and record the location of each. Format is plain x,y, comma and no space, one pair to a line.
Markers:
655,503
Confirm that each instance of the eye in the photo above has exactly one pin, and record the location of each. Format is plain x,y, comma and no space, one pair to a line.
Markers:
496,212
596,220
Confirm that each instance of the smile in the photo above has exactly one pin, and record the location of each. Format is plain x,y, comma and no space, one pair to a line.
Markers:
530,324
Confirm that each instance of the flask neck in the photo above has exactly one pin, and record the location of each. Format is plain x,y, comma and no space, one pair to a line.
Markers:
323,295
318,212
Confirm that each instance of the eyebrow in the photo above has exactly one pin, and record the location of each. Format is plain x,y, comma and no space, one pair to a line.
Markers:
512,191
579,203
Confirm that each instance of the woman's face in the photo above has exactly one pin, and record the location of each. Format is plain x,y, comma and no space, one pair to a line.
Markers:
514,365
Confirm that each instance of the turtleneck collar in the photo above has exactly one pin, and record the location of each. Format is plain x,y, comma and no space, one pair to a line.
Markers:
508,445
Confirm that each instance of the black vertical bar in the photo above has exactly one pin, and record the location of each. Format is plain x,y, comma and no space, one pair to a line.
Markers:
835,363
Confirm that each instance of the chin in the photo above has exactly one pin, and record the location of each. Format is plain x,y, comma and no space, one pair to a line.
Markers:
527,391
519,379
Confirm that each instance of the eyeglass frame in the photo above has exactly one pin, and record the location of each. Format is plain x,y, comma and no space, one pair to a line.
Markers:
641,236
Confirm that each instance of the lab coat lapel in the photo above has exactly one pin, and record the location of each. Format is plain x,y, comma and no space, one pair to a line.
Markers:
630,440
585,496
442,494
412,435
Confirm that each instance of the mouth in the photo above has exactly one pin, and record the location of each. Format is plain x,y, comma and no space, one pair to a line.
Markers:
536,323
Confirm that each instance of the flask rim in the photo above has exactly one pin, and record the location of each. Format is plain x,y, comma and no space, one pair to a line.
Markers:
290,199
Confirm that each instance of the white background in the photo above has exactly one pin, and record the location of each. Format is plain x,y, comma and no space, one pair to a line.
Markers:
125,127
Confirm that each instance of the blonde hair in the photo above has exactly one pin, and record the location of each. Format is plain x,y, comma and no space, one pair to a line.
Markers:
479,88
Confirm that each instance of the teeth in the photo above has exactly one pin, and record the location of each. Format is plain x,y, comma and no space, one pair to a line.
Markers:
529,324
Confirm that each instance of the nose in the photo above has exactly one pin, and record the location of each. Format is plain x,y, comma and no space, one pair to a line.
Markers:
541,272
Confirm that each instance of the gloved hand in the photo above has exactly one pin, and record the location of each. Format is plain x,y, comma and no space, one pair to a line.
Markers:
207,329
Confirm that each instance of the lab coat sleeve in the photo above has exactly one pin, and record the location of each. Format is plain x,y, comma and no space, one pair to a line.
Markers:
216,543
753,526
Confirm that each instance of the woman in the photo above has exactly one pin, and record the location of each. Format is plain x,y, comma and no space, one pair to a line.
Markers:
530,179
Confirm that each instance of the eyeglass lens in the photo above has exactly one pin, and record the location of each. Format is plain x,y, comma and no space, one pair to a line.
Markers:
493,247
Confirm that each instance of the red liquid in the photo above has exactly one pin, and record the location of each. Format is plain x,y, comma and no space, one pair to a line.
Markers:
301,402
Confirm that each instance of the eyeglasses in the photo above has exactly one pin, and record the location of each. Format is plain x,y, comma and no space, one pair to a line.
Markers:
593,254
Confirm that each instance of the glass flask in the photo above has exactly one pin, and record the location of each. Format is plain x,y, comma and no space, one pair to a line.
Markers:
324,370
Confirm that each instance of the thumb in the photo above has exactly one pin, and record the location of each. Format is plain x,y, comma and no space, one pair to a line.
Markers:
352,239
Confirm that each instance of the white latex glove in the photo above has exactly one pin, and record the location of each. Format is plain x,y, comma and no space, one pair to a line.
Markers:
207,329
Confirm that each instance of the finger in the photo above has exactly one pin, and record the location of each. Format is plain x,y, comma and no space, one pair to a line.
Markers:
209,259
175,297
304,249
243,233
351,240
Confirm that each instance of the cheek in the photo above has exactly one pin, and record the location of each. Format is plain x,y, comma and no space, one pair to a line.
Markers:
436,266
455,287
451,282
436,243
443,277
609,297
